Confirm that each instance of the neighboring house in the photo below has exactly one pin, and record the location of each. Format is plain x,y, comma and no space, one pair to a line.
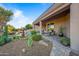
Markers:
64,15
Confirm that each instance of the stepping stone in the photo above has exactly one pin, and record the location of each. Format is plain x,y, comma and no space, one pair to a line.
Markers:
43,43
23,50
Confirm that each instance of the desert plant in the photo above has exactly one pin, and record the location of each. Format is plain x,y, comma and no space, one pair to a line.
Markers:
5,35
8,39
61,32
29,40
33,36
2,41
33,32
50,29
65,41
15,37
36,37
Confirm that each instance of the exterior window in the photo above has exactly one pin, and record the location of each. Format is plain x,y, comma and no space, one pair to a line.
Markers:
51,25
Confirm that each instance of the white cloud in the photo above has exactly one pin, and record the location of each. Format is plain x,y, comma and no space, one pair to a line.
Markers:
19,19
18,13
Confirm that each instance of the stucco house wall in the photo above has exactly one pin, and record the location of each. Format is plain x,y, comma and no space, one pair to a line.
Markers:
63,21
37,27
74,27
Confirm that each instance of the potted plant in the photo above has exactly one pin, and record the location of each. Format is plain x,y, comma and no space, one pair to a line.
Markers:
65,41
61,32
51,30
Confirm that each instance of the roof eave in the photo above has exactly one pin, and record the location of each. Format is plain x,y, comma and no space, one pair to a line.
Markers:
51,11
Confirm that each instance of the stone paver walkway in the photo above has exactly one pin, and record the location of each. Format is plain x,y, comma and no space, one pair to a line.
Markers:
57,49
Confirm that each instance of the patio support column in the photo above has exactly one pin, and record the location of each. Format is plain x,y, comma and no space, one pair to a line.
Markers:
74,27
33,27
46,28
40,27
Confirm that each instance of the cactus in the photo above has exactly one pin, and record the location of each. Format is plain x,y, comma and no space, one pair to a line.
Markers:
29,41
5,35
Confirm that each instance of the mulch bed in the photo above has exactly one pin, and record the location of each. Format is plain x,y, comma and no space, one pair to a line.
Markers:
16,49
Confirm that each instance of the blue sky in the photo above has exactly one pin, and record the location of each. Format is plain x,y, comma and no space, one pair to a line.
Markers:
25,13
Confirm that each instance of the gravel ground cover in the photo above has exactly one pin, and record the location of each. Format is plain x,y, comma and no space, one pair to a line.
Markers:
20,48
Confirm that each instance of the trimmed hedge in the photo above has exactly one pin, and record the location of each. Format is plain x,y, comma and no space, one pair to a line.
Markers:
65,41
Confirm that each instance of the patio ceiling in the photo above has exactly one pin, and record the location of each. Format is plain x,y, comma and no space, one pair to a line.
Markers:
62,14
53,11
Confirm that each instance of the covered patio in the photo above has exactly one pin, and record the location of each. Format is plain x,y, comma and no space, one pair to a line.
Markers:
56,20
61,15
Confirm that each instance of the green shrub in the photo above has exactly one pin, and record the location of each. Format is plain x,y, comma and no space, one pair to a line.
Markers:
36,37
33,32
50,29
2,41
28,26
65,41
8,39
16,37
